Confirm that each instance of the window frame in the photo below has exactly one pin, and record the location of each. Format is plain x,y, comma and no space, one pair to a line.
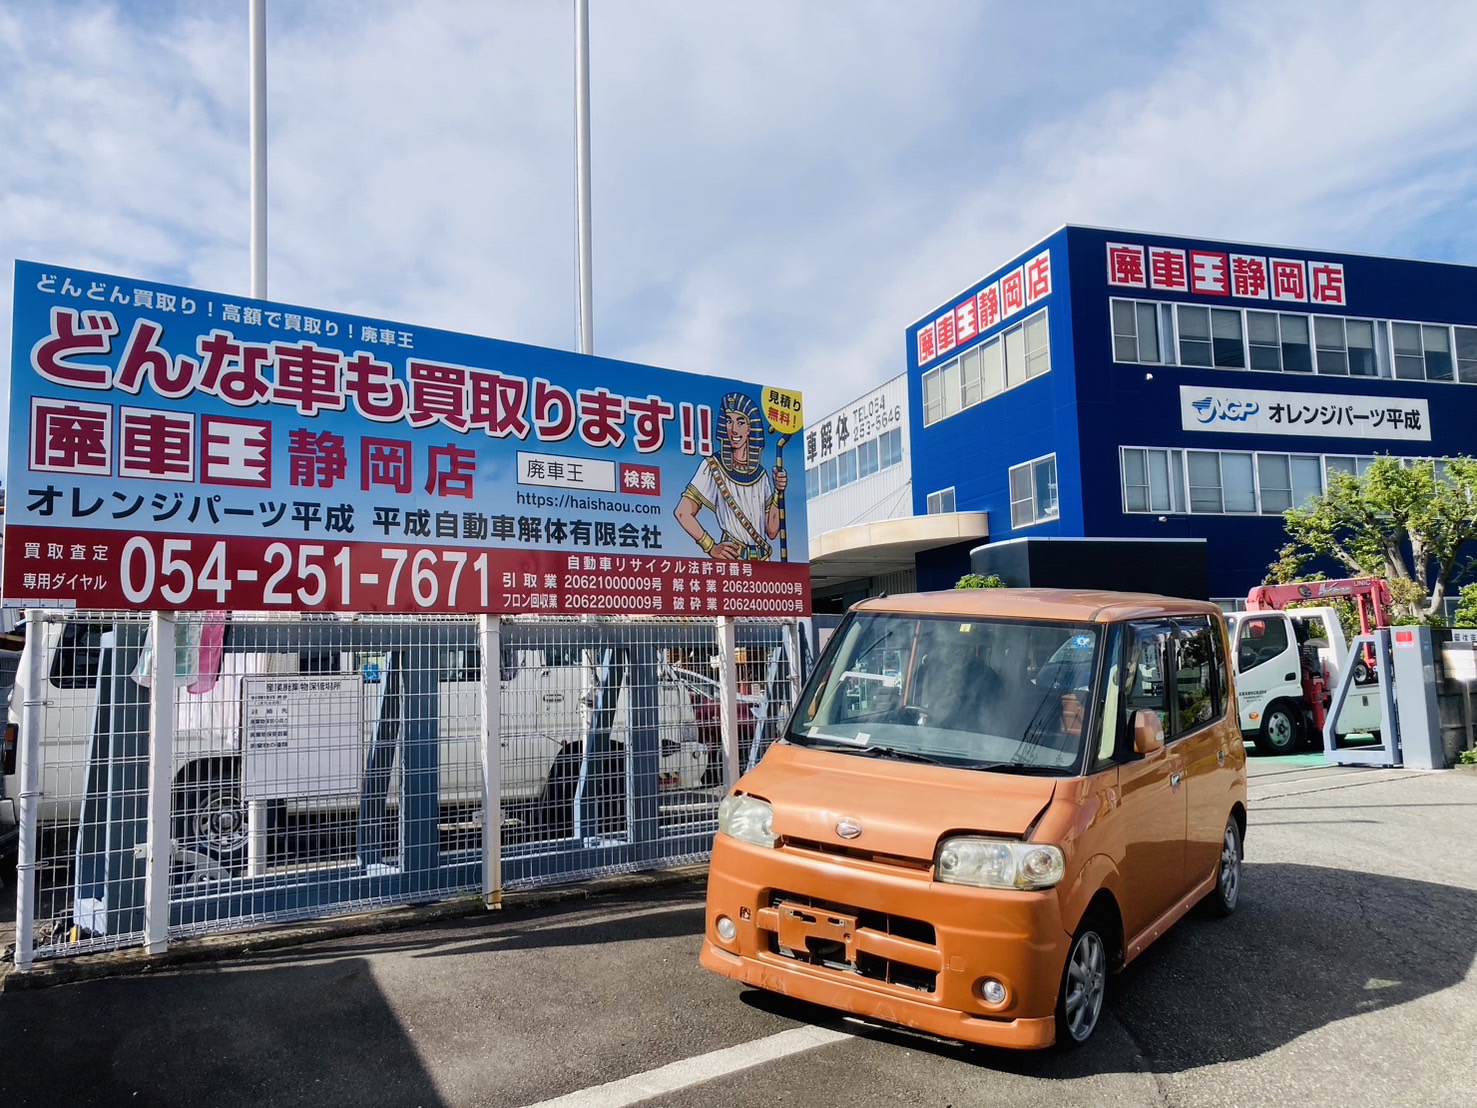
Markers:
1031,470
1004,361
934,502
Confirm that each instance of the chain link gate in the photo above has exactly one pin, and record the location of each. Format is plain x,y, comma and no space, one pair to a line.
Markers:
319,766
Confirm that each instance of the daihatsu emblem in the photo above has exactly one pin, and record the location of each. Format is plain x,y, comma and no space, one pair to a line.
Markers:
848,828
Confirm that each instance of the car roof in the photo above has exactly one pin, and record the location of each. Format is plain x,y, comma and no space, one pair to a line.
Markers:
1075,605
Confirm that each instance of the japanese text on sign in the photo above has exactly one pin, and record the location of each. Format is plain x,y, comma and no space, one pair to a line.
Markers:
170,447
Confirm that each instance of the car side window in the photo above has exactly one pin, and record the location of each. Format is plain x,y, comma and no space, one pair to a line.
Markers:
1262,638
78,655
1145,652
1198,695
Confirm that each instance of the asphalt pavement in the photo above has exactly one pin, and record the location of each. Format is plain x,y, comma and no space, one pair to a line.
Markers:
1344,979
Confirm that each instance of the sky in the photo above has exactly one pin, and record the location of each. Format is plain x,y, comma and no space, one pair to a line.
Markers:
779,186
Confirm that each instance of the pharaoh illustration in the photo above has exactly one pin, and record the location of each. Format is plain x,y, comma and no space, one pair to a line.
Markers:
734,485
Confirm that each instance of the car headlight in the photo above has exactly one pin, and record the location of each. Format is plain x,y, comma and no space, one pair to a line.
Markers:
748,819
998,863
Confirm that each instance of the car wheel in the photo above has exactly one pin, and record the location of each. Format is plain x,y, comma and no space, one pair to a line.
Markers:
1084,985
1280,730
210,819
1227,893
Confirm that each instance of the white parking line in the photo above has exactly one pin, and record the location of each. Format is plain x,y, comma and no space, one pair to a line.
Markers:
694,1071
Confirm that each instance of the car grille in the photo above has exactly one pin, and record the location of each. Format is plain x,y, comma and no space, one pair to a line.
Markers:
896,861
877,946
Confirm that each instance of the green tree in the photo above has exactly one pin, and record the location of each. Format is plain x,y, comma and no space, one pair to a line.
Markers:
1466,609
1368,523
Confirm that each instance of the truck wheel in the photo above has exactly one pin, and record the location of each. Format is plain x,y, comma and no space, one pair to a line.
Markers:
1280,731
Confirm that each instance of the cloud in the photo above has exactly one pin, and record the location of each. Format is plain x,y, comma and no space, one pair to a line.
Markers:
779,188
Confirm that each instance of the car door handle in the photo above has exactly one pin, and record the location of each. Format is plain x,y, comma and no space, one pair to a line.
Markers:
1291,677
1220,757
1175,779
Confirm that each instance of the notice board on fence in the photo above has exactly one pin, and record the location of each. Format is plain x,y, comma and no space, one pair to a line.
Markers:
173,448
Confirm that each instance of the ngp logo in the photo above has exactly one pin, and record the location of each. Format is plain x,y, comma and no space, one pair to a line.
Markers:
1212,408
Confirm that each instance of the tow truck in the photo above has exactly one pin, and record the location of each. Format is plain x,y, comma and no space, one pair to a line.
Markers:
1290,659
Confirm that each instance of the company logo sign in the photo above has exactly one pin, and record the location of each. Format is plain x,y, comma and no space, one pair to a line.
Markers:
1211,408
1325,415
1222,274
986,309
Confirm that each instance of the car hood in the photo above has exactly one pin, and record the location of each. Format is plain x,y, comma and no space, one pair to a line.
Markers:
902,807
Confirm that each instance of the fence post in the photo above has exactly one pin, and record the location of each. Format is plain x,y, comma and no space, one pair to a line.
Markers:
161,776
30,788
490,634
728,698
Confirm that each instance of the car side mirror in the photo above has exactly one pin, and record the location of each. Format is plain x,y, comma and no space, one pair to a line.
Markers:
1148,731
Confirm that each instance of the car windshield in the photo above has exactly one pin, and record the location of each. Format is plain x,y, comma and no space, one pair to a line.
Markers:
1004,695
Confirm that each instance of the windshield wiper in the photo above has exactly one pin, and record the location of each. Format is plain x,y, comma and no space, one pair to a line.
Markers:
895,752
1022,767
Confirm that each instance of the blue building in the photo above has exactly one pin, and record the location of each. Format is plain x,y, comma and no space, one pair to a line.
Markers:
1126,384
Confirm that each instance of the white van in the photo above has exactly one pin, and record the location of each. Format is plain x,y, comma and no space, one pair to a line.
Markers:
546,701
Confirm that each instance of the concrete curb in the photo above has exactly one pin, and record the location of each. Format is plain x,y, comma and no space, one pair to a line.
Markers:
244,944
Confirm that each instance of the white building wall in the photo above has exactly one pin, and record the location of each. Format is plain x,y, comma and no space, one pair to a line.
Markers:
885,494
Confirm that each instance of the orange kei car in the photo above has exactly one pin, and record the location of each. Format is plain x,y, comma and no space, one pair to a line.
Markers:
984,802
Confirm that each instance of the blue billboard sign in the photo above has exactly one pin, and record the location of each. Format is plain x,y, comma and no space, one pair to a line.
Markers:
177,448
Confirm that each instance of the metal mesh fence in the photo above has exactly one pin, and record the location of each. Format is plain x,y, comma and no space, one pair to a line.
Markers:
302,767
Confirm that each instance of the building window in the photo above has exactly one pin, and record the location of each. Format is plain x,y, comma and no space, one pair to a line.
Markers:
1466,355
1220,483
970,379
828,475
1286,481
1156,332
1211,337
1033,492
1342,464
941,501
1279,342
1231,482
1003,362
1345,347
1423,352
850,466
1153,480
933,400
1333,355
1038,346
1135,332
992,369
892,448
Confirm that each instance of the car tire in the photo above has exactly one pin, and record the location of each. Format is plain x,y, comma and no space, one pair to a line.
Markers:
1281,730
209,818
1226,895
1084,987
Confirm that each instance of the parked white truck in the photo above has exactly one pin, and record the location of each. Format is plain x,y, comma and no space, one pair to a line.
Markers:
1290,660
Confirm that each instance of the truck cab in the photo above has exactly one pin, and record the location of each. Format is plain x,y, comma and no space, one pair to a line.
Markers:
1288,663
